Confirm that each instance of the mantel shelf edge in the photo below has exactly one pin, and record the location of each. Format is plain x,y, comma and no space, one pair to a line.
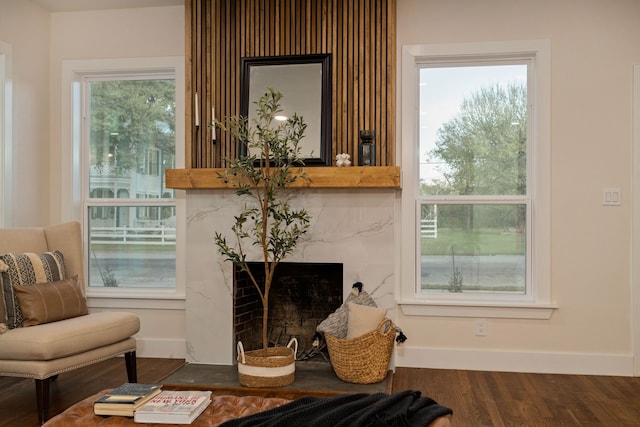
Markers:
318,177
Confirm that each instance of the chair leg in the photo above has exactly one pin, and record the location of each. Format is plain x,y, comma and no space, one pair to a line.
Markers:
42,386
130,361
42,396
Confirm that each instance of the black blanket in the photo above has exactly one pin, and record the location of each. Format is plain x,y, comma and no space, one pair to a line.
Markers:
406,408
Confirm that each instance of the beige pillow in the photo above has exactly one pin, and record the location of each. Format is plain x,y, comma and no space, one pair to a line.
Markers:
336,323
363,319
26,269
51,301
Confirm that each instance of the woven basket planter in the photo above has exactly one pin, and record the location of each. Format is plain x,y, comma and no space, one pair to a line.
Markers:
363,360
273,367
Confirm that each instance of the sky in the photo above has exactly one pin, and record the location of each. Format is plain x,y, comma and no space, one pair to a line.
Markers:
442,90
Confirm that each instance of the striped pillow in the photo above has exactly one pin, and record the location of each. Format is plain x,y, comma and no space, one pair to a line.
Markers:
3,311
27,269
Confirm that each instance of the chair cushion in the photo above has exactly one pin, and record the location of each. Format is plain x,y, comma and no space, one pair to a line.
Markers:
49,302
67,337
24,269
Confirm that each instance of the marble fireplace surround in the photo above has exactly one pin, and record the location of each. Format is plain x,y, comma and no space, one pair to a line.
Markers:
351,226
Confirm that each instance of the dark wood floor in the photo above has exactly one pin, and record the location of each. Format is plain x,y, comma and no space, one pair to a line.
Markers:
18,395
517,399
477,398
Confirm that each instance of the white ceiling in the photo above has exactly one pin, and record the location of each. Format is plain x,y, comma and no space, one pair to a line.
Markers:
78,5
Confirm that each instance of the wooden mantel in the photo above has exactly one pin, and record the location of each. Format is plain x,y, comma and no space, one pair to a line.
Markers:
318,177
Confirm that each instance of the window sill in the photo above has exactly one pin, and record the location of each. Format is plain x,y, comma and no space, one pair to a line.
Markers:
474,309
135,299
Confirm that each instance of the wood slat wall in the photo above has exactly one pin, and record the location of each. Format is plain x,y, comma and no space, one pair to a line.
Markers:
360,35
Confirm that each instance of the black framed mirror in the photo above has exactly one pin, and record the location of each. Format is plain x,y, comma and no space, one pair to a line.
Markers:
305,84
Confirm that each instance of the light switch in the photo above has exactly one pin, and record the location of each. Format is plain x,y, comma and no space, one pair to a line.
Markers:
611,197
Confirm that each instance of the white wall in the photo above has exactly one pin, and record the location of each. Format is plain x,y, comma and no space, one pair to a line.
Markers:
26,29
594,45
126,33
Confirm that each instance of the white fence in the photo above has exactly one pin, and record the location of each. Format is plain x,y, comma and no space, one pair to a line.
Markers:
133,235
429,228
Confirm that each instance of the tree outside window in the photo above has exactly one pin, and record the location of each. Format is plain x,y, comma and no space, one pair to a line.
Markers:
131,215
473,195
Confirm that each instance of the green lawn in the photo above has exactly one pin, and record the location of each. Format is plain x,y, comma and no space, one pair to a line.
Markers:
488,241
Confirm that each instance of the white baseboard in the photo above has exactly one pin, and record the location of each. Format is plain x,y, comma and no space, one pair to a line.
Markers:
514,361
162,348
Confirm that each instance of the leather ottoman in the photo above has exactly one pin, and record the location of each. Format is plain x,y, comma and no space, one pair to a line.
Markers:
221,409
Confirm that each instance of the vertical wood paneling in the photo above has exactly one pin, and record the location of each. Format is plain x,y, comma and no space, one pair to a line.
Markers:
360,35
378,70
351,26
188,90
389,24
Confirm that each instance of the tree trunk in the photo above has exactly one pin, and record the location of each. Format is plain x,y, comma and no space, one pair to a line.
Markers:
265,321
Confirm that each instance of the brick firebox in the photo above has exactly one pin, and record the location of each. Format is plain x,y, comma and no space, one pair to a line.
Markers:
302,295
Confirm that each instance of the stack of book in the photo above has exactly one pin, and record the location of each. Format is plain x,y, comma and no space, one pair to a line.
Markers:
173,407
125,399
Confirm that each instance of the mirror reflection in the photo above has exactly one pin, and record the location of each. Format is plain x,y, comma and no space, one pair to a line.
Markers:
304,81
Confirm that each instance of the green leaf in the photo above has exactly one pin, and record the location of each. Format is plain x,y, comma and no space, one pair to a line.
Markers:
266,220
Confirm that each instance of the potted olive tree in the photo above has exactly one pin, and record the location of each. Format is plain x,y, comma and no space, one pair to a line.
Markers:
266,220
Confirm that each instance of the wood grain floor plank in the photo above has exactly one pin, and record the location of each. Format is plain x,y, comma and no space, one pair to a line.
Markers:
523,399
18,396
478,399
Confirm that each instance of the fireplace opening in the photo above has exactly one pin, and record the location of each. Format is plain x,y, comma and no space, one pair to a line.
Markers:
302,295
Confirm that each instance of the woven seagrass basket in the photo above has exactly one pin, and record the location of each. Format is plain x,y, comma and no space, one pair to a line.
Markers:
363,360
273,367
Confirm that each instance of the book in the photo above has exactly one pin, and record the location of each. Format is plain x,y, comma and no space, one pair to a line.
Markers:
125,399
173,407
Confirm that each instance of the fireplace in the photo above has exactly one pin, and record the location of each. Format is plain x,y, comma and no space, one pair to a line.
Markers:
302,295
355,228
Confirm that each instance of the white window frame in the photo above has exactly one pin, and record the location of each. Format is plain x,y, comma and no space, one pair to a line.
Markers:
73,74
5,135
537,303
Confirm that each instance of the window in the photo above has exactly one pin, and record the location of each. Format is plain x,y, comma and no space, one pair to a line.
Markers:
126,130
5,134
130,119
475,216
473,187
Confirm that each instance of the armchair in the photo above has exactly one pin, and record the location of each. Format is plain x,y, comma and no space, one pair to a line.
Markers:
45,350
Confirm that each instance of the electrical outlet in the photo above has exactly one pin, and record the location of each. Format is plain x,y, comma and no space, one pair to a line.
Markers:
481,327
